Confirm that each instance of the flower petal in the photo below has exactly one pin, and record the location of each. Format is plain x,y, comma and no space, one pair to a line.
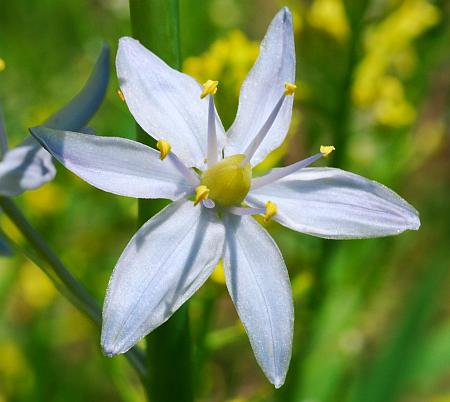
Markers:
258,283
164,264
116,165
75,114
25,167
335,204
262,89
165,102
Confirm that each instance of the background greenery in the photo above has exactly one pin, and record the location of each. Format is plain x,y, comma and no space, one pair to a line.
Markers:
372,316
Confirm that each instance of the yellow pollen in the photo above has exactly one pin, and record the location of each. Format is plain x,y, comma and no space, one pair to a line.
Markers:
209,88
164,148
2,64
271,210
120,95
201,193
289,88
326,149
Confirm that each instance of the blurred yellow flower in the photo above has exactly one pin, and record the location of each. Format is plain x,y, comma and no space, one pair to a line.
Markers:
297,21
218,274
301,284
228,60
441,398
427,141
13,365
46,200
37,290
391,108
329,16
388,46
2,64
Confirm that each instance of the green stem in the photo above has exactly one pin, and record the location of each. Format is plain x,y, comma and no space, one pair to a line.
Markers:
63,280
155,23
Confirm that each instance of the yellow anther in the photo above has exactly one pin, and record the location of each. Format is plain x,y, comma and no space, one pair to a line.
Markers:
271,210
164,148
120,95
201,193
2,64
209,88
326,149
289,88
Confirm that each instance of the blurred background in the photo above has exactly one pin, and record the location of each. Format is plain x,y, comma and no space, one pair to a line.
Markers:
372,316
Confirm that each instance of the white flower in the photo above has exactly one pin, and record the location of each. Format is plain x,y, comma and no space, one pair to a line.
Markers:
174,253
29,166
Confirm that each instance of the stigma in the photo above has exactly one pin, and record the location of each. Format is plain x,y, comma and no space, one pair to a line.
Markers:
228,181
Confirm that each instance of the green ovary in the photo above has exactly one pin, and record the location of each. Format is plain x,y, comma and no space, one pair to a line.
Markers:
228,181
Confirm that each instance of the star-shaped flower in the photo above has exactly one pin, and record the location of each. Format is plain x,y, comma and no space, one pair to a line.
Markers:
208,175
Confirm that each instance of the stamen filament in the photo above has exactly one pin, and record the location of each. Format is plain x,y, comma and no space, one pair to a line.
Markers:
279,173
251,149
268,212
242,211
191,177
212,137
208,203
165,150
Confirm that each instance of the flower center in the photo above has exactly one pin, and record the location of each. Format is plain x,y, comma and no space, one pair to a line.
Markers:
228,181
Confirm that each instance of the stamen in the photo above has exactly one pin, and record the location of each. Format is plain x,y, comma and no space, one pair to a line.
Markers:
289,88
242,211
164,148
191,177
165,151
121,95
327,150
279,173
201,193
209,88
212,137
268,212
208,203
251,149
271,210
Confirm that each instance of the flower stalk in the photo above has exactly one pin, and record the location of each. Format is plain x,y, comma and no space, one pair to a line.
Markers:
155,23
